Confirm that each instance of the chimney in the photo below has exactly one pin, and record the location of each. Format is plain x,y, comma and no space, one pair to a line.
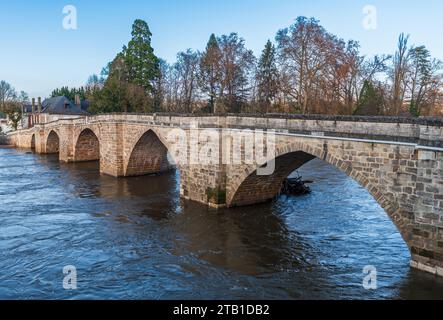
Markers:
33,105
78,102
39,105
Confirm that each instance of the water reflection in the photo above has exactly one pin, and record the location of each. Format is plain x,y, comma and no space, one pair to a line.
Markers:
135,238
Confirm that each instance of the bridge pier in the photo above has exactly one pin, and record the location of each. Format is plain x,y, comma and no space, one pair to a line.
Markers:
111,138
426,240
205,184
39,143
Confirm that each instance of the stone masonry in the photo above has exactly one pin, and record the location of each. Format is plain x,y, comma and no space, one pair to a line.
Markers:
399,161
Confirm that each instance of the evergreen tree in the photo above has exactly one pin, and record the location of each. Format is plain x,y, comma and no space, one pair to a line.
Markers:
139,57
210,71
69,93
420,78
371,100
267,76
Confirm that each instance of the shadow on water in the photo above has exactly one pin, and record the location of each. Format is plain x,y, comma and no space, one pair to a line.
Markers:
226,238
135,238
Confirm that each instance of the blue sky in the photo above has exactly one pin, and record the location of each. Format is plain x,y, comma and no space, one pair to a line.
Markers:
38,55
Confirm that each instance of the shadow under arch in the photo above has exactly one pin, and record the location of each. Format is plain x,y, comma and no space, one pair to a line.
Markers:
288,159
149,156
33,142
87,146
52,143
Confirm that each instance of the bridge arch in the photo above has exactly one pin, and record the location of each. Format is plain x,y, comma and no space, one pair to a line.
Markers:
87,146
149,155
52,143
250,188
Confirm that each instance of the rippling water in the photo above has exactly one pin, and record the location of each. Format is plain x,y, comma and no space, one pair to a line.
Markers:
135,239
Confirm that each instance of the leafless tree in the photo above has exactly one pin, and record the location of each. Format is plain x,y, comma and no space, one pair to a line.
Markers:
399,72
7,93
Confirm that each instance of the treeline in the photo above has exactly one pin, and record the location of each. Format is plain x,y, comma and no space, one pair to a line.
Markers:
82,92
11,103
305,70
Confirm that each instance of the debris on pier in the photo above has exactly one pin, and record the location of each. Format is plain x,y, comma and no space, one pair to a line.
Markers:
295,186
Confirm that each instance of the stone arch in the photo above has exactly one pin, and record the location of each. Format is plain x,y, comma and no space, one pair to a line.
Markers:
87,146
148,156
289,158
52,143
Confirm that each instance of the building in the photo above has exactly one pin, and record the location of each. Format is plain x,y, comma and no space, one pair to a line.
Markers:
52,109
4,126
63,106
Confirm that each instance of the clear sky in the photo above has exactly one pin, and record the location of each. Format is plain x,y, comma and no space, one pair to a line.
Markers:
37,54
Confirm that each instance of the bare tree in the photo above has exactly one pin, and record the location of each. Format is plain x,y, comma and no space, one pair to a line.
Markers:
187,69
237,66
319,71
399,72
7,93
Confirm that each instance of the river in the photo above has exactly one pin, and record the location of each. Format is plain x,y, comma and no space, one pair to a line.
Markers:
135,238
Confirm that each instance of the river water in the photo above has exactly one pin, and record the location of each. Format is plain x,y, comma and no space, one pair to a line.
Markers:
135,239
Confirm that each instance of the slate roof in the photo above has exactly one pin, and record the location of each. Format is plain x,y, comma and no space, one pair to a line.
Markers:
62,105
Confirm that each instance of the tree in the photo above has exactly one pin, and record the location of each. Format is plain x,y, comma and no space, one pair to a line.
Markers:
308,70
95,82
7,93
141,63
70,93
172,89
210,71
236,65
118,96
160,86
267,76
129,81
23,97
399,72
346,75
308,54
371,100
111,98
423,78
187,74
13,109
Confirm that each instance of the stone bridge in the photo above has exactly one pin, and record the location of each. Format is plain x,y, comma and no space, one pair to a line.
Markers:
398,161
